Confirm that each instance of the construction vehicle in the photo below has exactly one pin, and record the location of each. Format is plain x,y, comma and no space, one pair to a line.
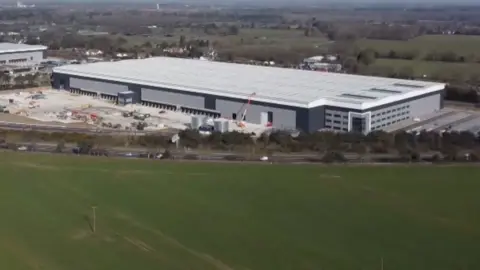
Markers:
139,116
127,114
240,122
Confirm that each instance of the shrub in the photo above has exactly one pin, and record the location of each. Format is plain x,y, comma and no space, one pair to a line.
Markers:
234,158
191,157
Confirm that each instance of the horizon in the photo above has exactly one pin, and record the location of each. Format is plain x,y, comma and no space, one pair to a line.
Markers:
260,2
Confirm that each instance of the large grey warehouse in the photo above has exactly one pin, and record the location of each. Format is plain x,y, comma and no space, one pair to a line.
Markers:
286,98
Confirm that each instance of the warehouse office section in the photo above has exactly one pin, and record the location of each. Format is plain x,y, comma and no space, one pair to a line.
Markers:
284,98
21,54
378,118
21,58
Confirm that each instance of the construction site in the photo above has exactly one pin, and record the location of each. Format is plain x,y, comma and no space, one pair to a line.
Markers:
61,107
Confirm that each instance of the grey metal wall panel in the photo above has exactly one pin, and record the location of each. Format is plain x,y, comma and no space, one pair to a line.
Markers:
173,98
282,117
137,97
34,57
425,105
316,118
60,80
311,120
210,103
97,86
303,119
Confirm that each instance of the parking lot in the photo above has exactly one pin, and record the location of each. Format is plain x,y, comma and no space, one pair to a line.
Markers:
449,119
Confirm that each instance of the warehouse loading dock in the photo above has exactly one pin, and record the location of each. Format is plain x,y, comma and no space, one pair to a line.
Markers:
53,106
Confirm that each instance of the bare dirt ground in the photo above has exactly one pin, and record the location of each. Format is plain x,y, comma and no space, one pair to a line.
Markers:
25,120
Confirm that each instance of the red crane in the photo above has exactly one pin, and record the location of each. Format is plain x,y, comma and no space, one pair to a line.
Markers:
244,108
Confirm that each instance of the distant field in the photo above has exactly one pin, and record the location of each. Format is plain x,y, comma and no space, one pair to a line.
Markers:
462,45
246,37
468,46
431,68
153,215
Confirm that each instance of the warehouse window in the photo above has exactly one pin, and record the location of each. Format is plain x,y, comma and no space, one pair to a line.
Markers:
17,60
234,116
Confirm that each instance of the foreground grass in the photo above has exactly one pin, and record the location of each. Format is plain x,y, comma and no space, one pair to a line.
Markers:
153,215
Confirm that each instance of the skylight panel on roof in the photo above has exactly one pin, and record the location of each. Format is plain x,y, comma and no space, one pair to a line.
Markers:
385,91
346,100
408,85
357,96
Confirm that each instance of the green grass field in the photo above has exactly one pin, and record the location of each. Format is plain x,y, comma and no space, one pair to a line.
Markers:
154,215
246,38
429,68
468,46
462,45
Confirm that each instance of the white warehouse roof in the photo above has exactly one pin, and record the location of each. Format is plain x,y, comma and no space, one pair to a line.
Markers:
15,47
283,86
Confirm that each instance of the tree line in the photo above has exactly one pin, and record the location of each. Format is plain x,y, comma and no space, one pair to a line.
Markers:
447,146
370,55
8,81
